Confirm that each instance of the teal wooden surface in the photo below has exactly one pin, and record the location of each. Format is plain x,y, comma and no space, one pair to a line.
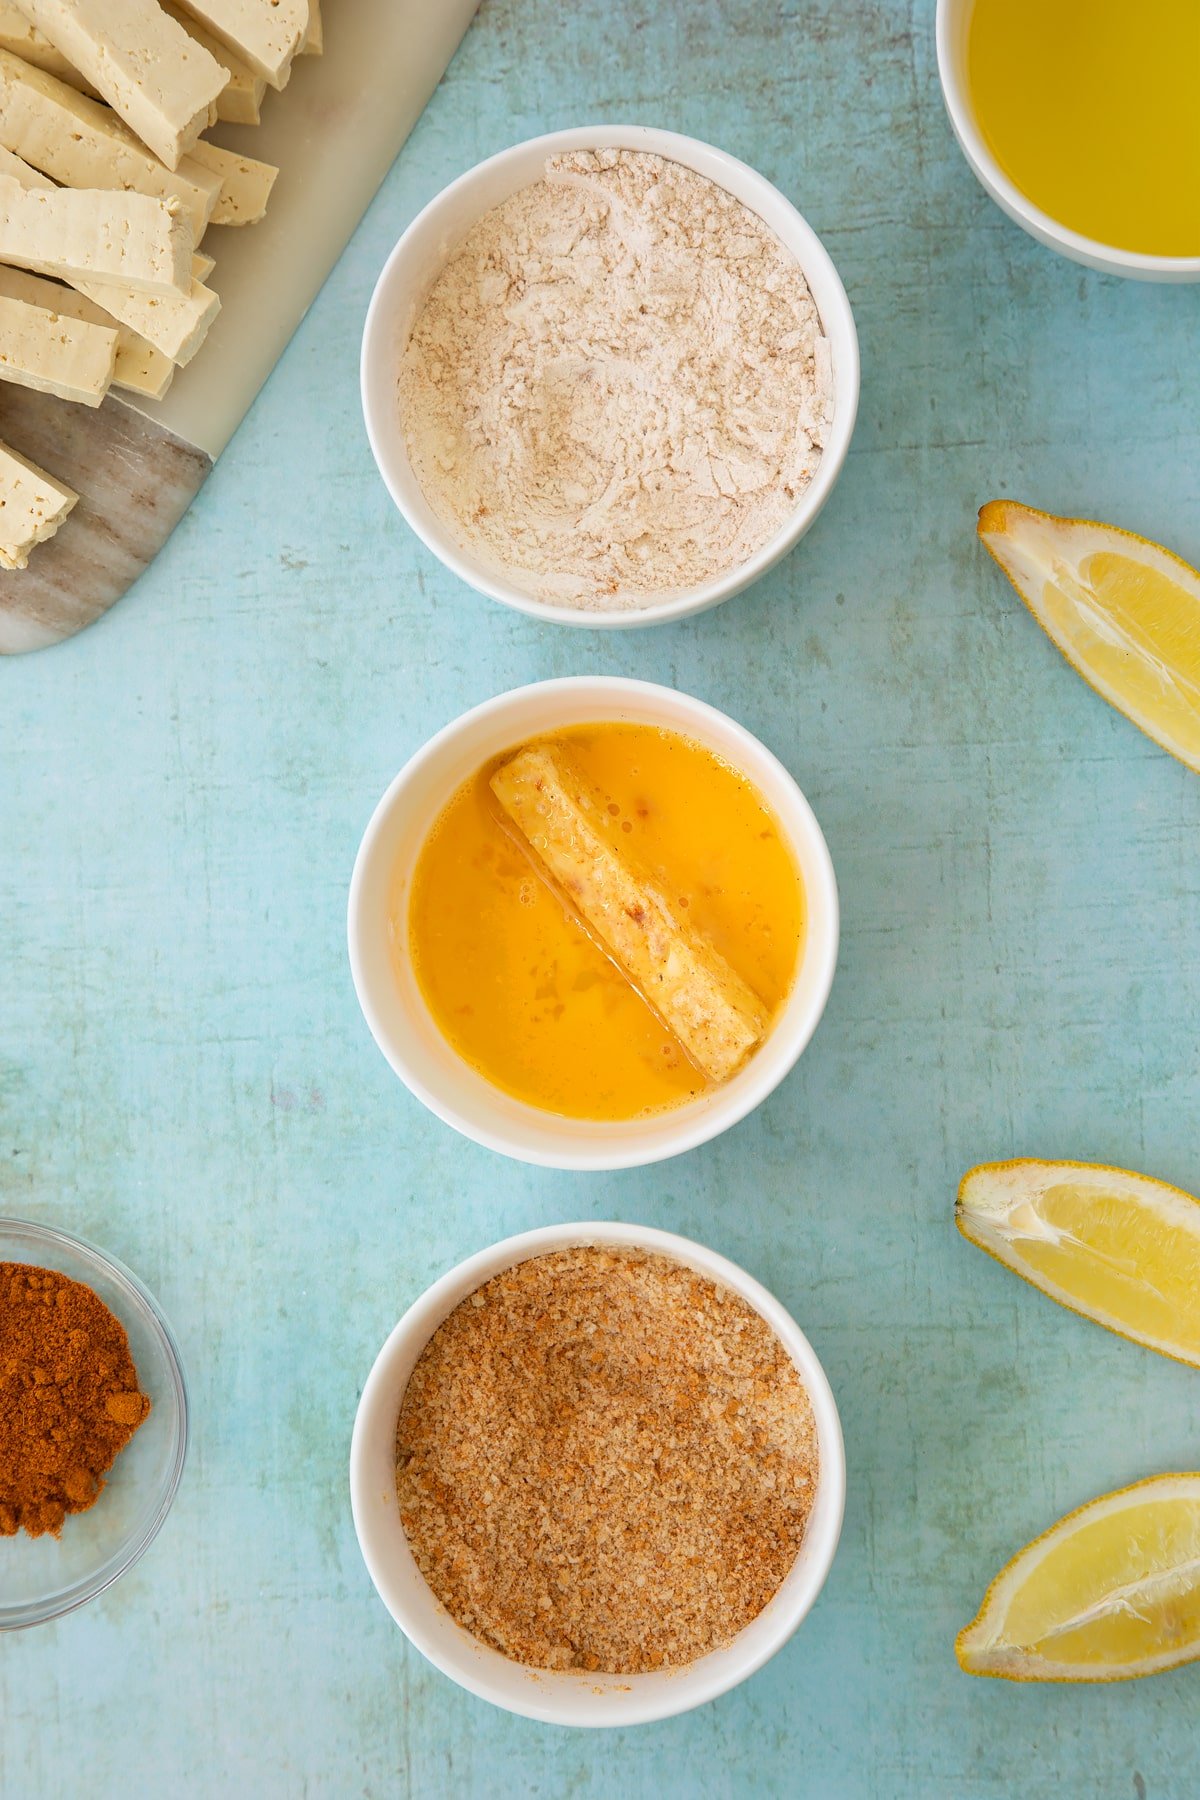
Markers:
185,1077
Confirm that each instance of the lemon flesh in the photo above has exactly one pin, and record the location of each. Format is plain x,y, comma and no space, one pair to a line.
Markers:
1123,611
1110,1592
1120,1248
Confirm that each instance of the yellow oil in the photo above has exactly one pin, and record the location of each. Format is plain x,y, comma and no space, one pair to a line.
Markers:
1092,108
517,985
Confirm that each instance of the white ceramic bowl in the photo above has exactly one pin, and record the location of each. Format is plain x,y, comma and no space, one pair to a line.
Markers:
418,259
395,1009
571,1698
953,26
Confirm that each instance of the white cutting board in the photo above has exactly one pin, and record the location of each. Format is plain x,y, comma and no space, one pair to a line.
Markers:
334,133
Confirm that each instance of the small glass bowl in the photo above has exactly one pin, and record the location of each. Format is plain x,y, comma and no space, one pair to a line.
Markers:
43,1577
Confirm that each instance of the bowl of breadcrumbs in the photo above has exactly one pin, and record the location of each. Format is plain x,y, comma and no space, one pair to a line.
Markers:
597,1474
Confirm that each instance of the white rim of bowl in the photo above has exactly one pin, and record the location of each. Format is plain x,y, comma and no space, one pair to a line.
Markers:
952,19
82,1591
713,1120
676,147
422,1319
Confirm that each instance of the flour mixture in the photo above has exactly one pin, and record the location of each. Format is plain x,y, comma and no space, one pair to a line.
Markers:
618,386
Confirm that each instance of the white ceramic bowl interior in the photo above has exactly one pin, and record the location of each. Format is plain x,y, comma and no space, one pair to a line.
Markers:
570,1698
417,260
953,28
395,1009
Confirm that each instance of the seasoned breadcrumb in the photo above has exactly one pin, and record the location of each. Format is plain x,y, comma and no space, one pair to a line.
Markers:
605,1462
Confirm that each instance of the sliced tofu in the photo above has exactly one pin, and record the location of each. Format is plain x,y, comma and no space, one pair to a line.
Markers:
22,39
83,144
314,43
703,1001
245,184
162,82
20,171
265,33
55,354
176,326
98,235
32,507
240,101
139,367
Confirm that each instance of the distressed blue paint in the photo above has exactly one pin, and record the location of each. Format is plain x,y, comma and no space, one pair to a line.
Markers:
186,1078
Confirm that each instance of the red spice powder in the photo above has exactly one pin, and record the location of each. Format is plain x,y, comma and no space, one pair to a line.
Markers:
69,1397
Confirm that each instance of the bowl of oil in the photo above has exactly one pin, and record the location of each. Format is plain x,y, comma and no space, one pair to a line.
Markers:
593,923
1080,122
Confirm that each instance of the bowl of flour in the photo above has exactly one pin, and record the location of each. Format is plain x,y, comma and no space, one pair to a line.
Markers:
610,376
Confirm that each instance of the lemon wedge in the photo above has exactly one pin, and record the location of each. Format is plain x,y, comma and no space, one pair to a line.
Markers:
1110,1592
1119,1248
1123,611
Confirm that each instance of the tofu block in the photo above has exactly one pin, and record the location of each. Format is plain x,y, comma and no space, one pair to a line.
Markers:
22,39
177,326
32,507
55,354
240,101
132,239
161,82
20,171
314,43
245,184
265,33
139,367
703,1001
83,144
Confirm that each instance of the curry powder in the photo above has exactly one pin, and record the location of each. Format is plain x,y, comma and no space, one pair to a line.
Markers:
69,1397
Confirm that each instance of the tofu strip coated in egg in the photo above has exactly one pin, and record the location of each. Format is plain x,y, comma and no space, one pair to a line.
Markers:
715,1016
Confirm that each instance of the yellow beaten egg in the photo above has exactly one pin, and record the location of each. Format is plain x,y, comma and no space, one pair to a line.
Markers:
520,985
